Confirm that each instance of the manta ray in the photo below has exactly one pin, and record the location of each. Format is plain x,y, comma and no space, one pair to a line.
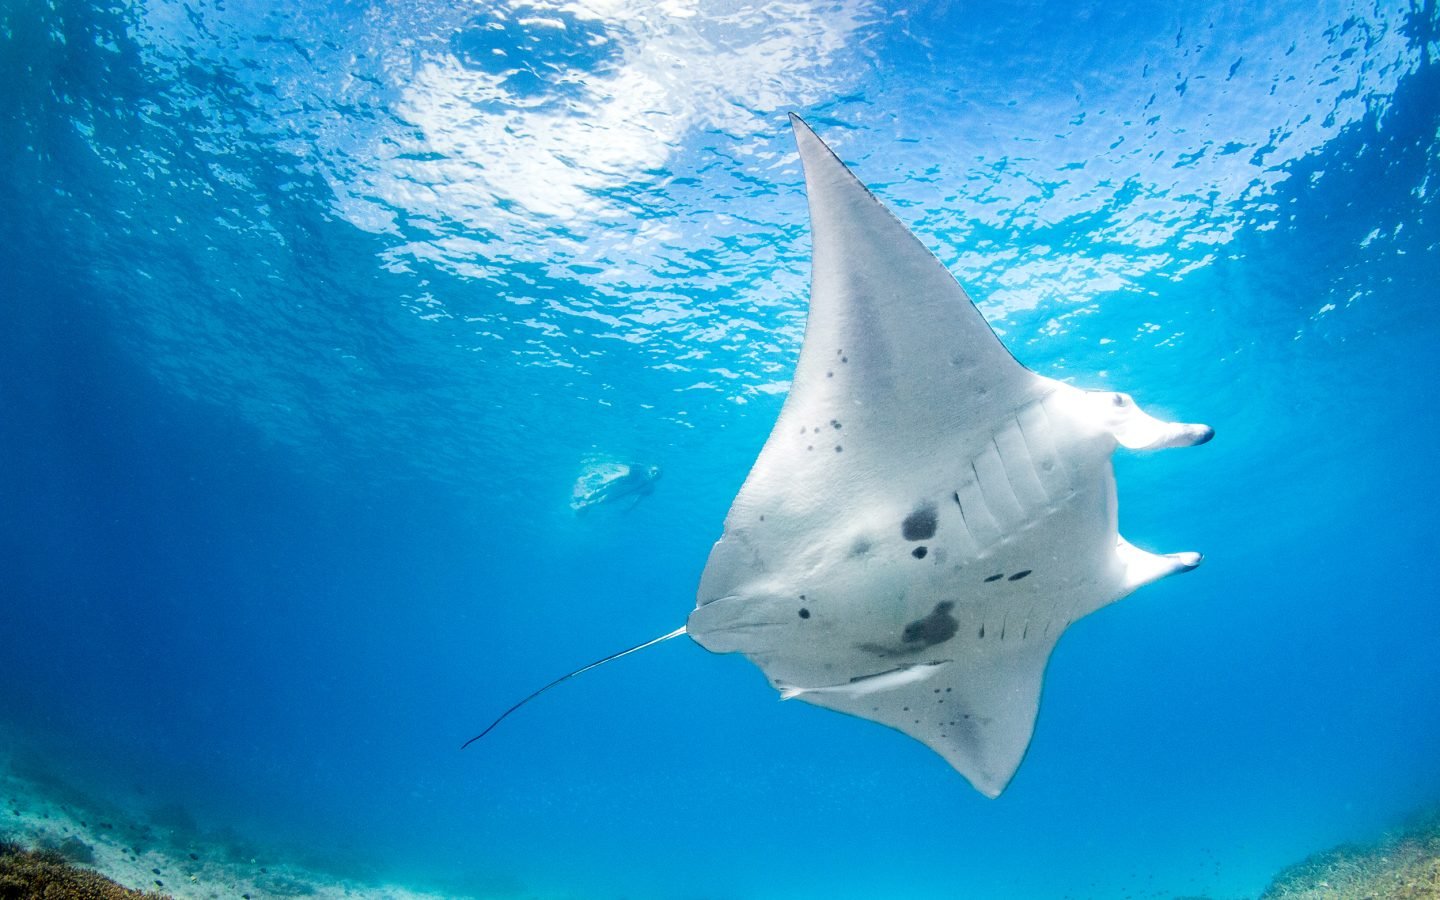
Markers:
928,515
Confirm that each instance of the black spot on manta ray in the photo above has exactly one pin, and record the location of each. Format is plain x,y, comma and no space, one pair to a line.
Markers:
936,628
920,525
995,577
919,552
804,613
1020,574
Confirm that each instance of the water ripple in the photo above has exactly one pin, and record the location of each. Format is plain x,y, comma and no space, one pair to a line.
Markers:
441,214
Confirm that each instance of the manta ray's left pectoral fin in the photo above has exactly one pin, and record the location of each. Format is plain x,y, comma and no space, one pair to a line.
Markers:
1143,567
1135,429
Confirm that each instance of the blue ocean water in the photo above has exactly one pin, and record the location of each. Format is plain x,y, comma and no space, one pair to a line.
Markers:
313,315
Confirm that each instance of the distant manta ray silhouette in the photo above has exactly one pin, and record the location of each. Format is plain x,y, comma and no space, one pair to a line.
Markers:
928,515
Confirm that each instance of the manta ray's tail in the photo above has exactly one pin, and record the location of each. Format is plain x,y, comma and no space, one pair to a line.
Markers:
600,662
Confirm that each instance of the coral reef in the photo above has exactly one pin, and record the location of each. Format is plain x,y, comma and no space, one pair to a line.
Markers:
1403,867
48,875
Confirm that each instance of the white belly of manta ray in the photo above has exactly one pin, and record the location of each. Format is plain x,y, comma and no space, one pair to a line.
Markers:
928,515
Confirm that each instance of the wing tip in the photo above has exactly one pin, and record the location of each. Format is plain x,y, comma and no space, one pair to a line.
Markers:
990,784
801,128
812,148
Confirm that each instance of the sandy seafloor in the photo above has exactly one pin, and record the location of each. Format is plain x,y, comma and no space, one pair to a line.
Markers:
163,851
149,853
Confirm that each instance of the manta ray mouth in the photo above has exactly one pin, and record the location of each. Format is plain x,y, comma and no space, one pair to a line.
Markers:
738,627
726,624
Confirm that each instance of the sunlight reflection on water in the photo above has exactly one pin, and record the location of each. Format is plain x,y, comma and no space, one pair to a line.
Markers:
607,188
